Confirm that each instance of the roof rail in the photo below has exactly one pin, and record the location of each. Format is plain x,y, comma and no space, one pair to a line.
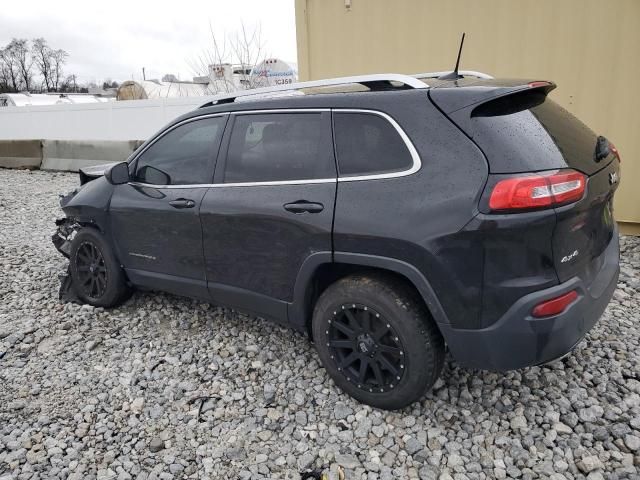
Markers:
470,73
378,81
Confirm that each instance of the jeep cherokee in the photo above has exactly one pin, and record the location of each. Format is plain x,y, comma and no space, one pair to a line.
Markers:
387,216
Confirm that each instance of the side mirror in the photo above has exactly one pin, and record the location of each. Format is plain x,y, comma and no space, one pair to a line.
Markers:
118,174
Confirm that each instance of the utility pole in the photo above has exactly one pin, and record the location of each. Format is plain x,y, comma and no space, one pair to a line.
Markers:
144,77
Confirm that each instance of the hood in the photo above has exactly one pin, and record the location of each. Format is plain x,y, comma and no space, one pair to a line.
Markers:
91,173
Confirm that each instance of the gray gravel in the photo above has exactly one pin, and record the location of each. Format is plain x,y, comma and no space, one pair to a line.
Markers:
166,387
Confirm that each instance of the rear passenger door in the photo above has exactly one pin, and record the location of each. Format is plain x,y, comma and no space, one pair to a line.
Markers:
270,208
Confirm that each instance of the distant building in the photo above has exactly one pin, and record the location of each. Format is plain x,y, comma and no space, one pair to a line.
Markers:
133,90
103,92
222,78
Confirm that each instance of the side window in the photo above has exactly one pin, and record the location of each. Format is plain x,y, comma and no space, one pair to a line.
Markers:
280,146
367,144
183,156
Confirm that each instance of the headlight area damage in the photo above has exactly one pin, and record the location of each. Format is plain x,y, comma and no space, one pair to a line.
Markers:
85,205
67,230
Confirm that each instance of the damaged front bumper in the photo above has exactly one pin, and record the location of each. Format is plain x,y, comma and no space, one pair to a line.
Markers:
66,231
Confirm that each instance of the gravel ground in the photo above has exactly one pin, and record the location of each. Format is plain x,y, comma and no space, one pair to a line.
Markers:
166,387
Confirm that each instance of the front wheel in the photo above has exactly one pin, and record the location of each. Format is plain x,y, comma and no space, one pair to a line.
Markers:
98,278
377,340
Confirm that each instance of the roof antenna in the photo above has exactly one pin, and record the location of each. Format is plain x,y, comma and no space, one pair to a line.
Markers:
454,75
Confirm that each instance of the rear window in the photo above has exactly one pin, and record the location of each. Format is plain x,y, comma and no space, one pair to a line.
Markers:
527,131
367,144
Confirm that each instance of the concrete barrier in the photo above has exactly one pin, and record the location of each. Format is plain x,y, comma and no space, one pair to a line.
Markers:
63,155
72,155
20,154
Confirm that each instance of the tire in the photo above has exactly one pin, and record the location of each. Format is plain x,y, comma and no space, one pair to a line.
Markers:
97,277
411,345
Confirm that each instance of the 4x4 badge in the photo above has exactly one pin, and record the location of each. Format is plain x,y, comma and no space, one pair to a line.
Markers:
569,257
613,178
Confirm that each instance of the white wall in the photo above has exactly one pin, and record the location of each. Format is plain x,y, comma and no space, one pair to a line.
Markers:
125,120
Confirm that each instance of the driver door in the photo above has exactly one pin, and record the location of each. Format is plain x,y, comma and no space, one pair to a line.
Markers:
156,217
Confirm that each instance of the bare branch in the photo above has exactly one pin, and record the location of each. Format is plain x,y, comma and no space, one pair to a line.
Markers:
17,65
19,50
58,59
238,53
41,55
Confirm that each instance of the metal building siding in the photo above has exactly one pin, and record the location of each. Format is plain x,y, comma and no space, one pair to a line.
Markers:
590,48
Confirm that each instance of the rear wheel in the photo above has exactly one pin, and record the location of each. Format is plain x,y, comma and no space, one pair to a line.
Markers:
98,278
377,340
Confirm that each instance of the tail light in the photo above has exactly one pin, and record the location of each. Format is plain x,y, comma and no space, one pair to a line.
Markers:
538,191
614,150
555,305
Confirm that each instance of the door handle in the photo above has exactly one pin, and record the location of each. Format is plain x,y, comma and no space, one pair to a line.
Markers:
302,206
182,203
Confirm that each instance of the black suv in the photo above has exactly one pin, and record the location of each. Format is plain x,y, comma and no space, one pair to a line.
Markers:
387,216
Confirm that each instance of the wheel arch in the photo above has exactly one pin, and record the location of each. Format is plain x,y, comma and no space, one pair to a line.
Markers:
322,269
100,226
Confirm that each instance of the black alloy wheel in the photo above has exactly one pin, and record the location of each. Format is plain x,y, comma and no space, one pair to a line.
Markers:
365,348
98,278
92,271
377,340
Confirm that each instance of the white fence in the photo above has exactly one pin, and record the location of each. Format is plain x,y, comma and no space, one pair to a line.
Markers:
125,120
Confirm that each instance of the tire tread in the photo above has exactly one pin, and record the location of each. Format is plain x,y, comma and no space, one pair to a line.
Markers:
418,318
117,291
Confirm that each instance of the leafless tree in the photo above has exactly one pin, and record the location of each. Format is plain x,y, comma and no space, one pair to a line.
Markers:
58,59
8,74
169,77
4,84
42,57
70,84
242,50
108,83
19,52
19,59
248,49
10,67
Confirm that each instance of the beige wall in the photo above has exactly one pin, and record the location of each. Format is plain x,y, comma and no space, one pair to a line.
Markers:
590,48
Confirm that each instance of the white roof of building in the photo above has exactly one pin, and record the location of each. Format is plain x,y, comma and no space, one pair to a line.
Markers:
40,99
132,90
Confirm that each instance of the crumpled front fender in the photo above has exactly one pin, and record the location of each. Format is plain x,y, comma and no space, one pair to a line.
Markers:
62,238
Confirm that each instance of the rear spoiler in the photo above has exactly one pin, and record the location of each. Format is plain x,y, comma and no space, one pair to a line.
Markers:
461,95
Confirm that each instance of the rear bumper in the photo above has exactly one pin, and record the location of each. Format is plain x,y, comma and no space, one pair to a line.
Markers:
519,340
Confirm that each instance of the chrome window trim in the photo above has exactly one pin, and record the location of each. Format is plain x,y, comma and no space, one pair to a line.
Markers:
164,187
170,129
417,163
241,184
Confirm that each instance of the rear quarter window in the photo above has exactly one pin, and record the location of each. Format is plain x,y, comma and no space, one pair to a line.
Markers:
368,144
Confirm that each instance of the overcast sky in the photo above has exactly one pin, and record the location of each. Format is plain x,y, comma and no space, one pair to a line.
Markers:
115,40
